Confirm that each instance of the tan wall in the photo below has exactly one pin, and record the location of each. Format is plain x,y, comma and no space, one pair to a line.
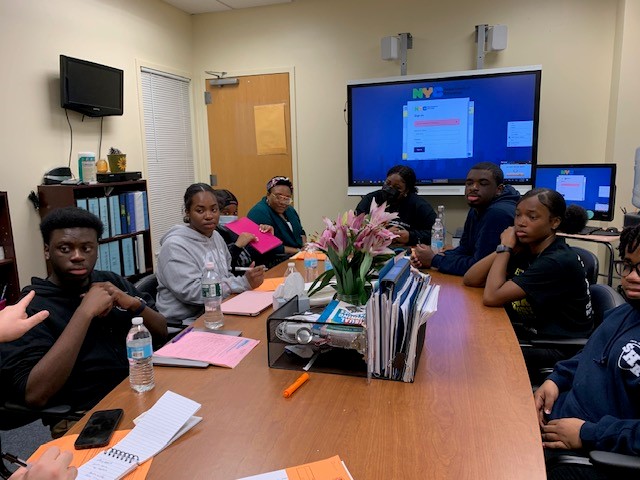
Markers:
586,48
332,41
33,129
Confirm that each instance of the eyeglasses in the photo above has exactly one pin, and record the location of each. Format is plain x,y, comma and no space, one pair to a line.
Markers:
283,198
625,268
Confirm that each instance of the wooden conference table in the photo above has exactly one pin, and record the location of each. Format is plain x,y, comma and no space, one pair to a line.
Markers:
469,414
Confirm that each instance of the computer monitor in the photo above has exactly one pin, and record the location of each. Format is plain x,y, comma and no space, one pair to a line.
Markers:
441,125
592,186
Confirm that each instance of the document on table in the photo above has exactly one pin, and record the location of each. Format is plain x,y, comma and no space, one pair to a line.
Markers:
328,469
152,434
221,350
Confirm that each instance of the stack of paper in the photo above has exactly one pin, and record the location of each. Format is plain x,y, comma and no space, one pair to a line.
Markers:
397,309
213,348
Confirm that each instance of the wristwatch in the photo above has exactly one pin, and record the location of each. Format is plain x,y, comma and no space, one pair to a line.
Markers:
141,308
503,248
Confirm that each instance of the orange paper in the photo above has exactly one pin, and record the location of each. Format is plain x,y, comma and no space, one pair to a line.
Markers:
300,256
80,457
270,284
328,469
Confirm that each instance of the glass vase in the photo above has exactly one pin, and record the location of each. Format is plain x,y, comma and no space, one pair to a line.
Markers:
351,298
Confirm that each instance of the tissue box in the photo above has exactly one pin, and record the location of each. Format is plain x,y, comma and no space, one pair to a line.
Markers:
286,336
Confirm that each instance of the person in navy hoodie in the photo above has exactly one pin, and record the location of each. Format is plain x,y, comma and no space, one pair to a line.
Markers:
493,206
592,401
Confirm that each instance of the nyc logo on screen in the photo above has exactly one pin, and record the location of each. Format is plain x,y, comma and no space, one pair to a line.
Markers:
428,92
565,172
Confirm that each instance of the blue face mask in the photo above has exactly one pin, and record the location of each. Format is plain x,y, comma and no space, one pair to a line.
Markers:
224,219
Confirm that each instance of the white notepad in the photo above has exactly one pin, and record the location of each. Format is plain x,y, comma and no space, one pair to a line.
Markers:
152,434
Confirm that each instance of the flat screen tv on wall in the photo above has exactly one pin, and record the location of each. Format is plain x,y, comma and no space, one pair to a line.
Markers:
90,88
442,124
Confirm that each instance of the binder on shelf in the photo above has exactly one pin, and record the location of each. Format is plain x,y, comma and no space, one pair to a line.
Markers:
141,261
124,226
128,260
104,217
82,203
114,257
131,212
145,212
103,257
93,207
114,215
138,200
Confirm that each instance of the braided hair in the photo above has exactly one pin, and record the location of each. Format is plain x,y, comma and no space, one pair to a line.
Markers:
629,240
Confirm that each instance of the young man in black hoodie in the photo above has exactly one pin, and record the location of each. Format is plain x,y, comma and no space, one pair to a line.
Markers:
493,207
78,354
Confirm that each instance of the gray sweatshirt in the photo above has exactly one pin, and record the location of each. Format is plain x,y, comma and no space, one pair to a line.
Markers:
180,265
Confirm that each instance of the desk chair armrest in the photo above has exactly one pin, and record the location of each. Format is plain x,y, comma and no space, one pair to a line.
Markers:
62,411
615,462
559,343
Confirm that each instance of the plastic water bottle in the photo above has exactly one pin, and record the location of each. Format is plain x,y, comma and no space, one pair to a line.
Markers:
310,264
444,224
139,353
437,236
211,297
291,268
327,264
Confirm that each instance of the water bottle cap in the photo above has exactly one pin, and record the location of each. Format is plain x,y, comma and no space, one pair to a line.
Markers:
291,264
136,320
209,265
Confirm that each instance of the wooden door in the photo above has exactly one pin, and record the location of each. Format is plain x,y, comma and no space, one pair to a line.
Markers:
232,136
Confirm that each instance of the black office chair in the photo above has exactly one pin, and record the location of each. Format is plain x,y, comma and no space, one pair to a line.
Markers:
591,263
598,464
149,284
603,298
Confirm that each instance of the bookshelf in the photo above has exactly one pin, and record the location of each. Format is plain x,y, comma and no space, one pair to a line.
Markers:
8,266
109,197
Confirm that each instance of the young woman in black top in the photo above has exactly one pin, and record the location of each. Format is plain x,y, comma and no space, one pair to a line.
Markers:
535,275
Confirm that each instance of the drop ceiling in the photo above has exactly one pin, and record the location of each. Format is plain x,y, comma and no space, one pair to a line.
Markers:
206,6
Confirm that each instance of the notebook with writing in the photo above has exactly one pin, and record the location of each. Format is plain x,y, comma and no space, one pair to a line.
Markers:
160,424
265,242
249,303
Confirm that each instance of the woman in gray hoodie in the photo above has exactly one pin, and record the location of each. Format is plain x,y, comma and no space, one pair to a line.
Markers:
184,250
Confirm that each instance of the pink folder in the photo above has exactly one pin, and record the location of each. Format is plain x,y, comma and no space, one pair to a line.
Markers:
265,242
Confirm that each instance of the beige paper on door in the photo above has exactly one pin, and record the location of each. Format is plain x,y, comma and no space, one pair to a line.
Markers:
271,138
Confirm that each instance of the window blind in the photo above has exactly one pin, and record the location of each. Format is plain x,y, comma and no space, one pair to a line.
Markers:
170,164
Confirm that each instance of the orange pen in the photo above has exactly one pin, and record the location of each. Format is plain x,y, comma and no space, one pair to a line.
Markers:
295,385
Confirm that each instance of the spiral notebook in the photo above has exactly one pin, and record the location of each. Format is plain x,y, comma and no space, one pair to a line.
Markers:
152,434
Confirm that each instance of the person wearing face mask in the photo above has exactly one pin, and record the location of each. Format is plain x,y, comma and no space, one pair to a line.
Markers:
242,253
184,251
415,215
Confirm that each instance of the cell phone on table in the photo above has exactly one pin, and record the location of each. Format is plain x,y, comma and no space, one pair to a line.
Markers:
99,429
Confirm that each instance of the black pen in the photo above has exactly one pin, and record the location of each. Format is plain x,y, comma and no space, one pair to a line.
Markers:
181,334
15,460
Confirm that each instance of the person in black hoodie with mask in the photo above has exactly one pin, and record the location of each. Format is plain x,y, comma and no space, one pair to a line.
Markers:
493,206
415,215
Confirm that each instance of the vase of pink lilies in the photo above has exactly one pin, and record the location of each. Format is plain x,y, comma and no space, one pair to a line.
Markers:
356,246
